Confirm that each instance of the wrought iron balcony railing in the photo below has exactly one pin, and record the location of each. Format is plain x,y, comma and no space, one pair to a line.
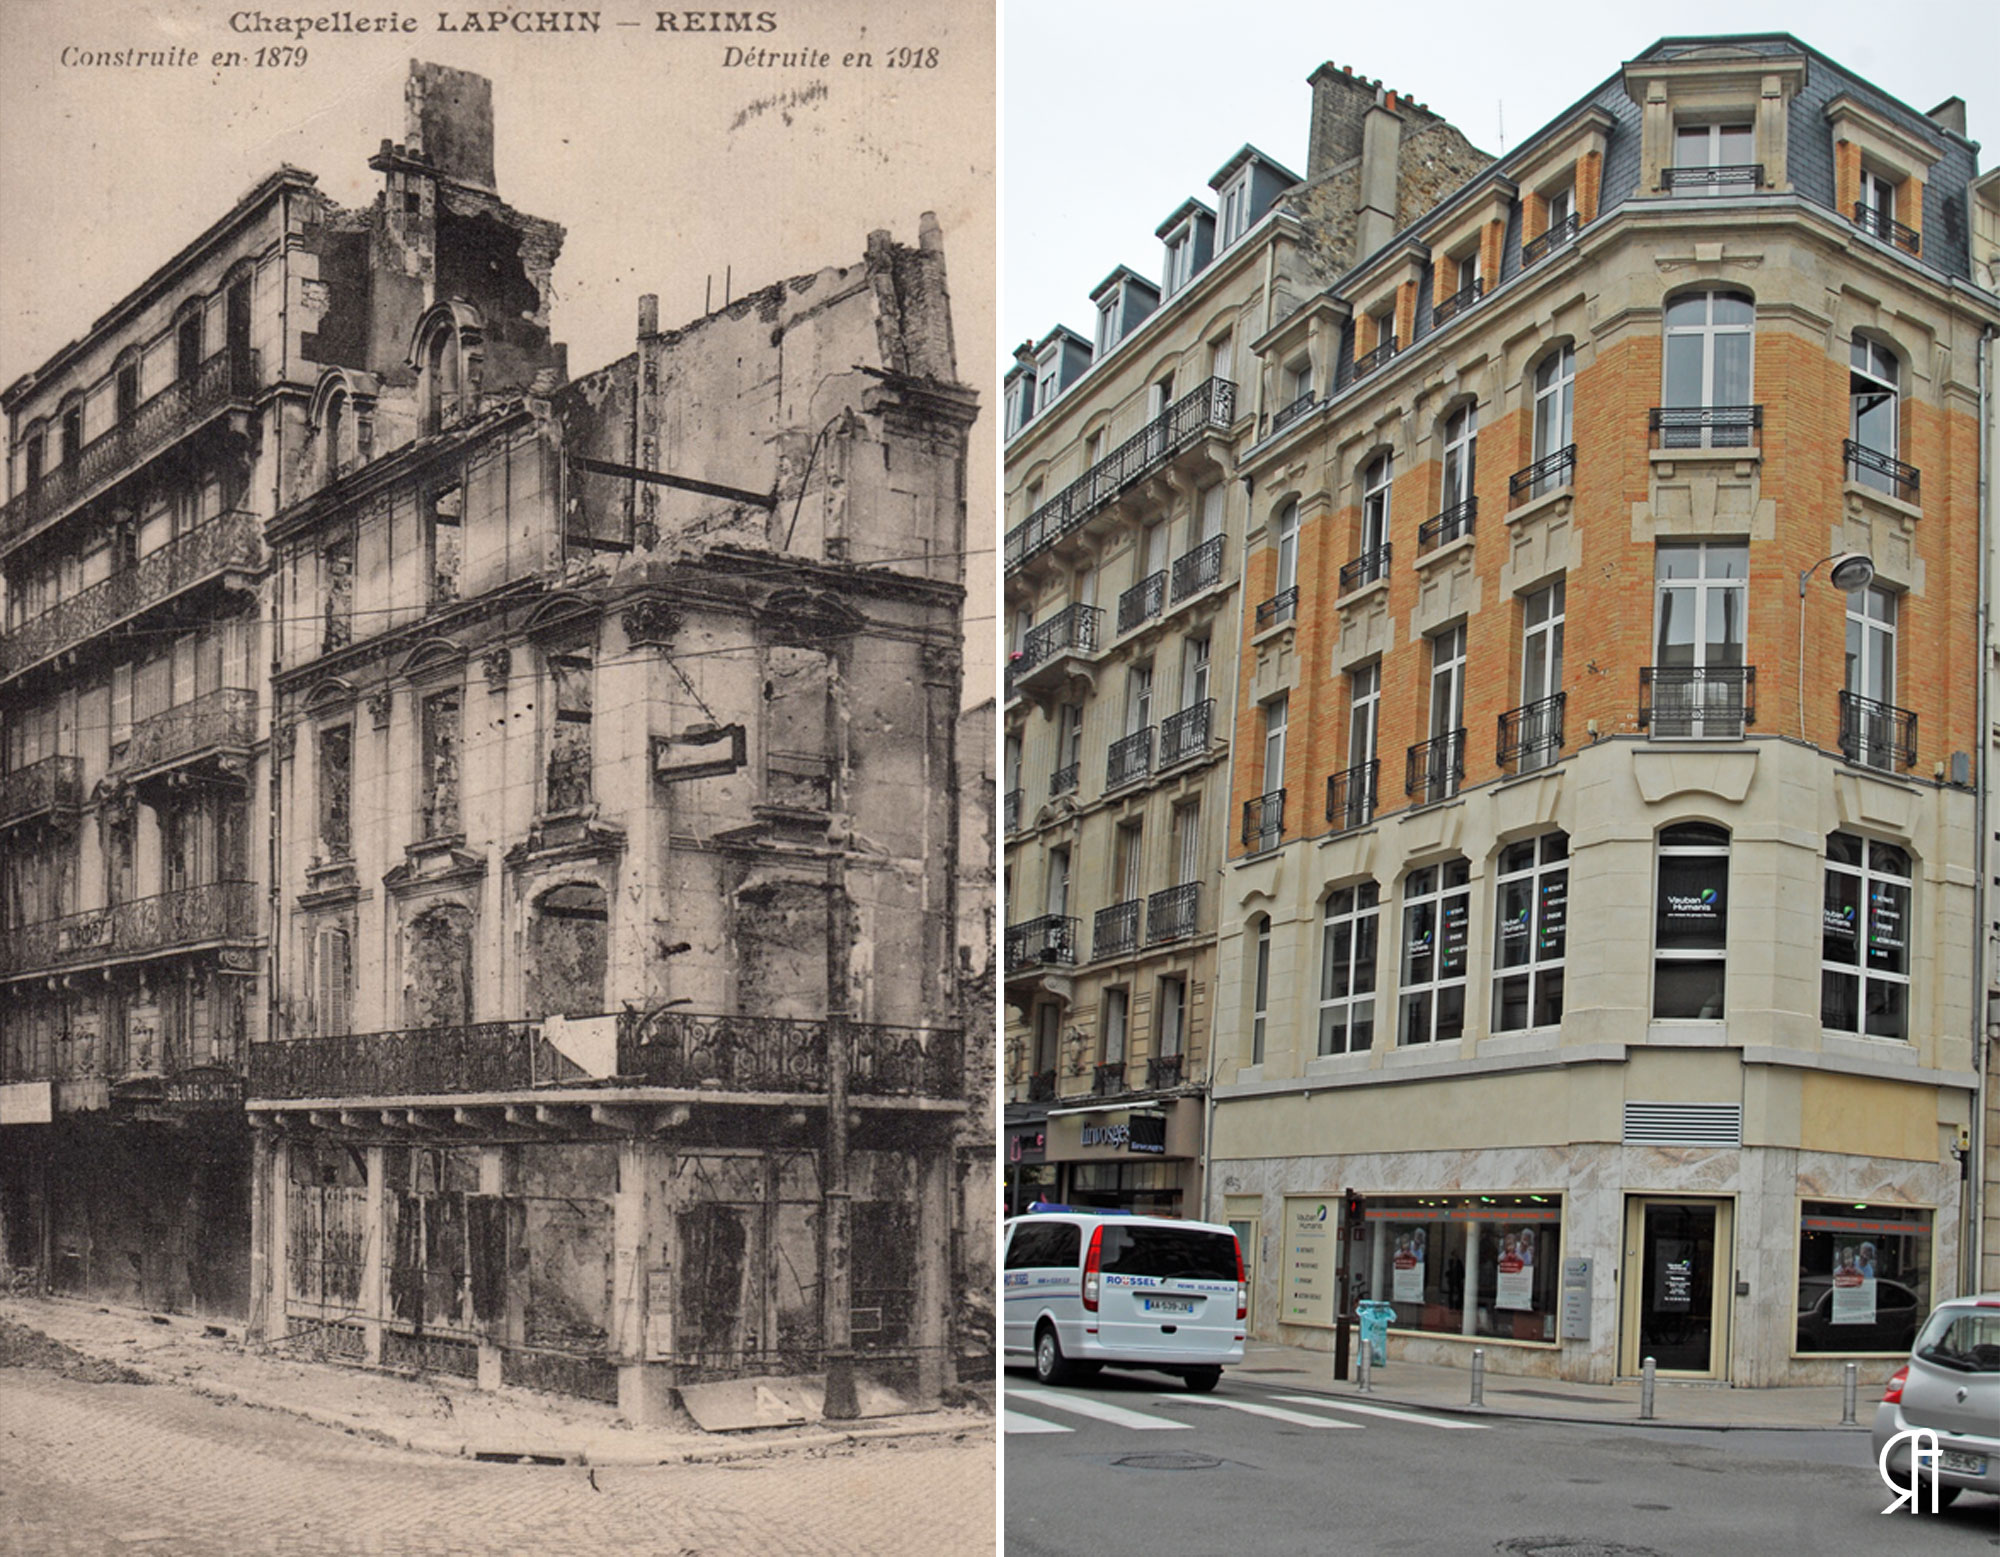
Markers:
1174,914
1447,526
1042,1086
1164,1070
1198,569
1064,780
1289,414
1366,568
1280,608
1128,759
1010,809
1536,250
1185,734
1264,820
1530,736
411,1062
1108,1080
224,543
224,720
1049,940
1076,629
1369,361
1873,468
1697,702
1436,767
1447,309
53,784
192,916
1549,474
732,1053
224,379
1880,224
1706,426
1350,794
1211,407
1143,601
1730,179
1879,735
1114,931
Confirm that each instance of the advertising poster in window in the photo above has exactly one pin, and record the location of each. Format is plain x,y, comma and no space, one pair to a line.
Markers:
1673,1280
1311,1251
1555,913
1885,928
1515,1281
1853,1284
1457,923
1407,1283
1693,900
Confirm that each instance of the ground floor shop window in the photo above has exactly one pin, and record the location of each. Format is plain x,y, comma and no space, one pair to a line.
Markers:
1479,1265
1864,1276
1147,1188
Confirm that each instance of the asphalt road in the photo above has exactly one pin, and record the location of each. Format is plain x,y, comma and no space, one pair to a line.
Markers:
1131,1463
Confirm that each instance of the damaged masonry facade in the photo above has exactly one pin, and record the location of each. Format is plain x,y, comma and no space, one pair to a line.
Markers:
601,1026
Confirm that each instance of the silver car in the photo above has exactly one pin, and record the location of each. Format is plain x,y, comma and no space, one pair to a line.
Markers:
1950,1386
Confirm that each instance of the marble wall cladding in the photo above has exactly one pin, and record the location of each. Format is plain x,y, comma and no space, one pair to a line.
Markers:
1762,1185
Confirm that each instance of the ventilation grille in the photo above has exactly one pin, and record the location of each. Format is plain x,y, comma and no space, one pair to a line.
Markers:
1683,1124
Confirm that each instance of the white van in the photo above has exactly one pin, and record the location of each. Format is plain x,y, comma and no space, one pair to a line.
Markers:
1082,1289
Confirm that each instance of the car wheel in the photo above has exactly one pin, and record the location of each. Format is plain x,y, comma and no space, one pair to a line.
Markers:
1050,1367
1201,1380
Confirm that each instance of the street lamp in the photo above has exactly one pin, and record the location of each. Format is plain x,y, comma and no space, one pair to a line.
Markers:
1851,570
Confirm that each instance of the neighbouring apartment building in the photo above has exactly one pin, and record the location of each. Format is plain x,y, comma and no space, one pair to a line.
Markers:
613,1039
1617,558
1126,514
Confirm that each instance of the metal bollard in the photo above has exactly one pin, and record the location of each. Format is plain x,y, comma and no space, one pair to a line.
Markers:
1646,1390
1479,1375
1362,1358
1850,1377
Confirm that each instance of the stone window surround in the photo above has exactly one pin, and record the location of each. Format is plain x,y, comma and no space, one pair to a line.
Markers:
1387,289
1472,231
1903,158
1706,90
1559,164
1314,327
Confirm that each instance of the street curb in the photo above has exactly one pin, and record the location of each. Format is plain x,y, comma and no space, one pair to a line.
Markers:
1376,1397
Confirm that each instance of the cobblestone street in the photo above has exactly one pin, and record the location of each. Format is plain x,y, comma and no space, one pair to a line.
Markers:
117,1468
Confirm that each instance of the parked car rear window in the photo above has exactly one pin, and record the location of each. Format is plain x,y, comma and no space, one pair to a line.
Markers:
1168,1251
1967,1342
1045,1243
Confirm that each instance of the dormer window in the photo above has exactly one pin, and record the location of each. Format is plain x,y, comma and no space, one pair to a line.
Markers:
1714,159
1020,402
440,378
1236,209
1107,324
1180,261
1047,380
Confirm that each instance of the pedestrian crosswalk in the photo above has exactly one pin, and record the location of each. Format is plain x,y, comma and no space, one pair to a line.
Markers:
1048,1407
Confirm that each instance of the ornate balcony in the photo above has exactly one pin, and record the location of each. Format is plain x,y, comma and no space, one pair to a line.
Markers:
1042,1086
1881,225
1732,179
1447,526
1043,659
1115,930
1209,408
225,544
1369,361
1873,468
1108,1080
1448,309
1047,941
1264,821
412,1062
1129,759
1436,767
1350,795
1530,736
1064,780
1279,609
224,380
1163,1070
1706,426
1696,702
1185,734
54,784
221,722
1878,735
1366,568
1289,414
1536,250
1173,915
1549,474
193,916
1196,570
1143,601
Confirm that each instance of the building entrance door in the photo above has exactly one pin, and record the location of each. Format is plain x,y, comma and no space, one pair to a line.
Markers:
1677,1277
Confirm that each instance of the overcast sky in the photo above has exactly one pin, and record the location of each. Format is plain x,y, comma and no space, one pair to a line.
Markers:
1116,114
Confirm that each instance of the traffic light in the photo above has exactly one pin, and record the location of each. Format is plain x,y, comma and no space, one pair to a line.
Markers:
1356,1208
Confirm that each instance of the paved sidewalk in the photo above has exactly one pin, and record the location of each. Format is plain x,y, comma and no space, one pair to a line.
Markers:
1675,1404
430,1414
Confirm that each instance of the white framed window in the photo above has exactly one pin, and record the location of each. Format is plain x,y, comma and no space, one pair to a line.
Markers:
1117,1021
1555,409
1869,728
1437,915
1298,381
1235,209
1187,842
1047,379
1865,941
1260,990
1356,807
1209,513
1275,716
1699,685
1171,1028
1222,357
1055,884
1461,448
1878,199
1539,738
1350,937
1530,931
1708,373
1873,392
1701,150
1138,697
1128,862
1107,322
1194,672
1444,763
1691,923
1376,481
1179,268
1561,205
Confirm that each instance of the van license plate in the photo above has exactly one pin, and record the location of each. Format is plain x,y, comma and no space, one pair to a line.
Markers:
1964,1464
1153,1305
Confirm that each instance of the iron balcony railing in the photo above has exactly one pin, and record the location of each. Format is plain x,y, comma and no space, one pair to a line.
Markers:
1436,767
734,1053
1280,608
1873,468
219,721
224,379
1130,758
1448,309
1185,734
1173,914
1198,569
1369,361
1264,820
1143,601
1350,794
192,916
1211,407
1064,780
224,543
1447,526
1530,736
1010,806
1697,702
1114,931
1730,179
411,1062
1537,249
1880,224
1163,1070
1076,629
1108,1080
1289,414
1366,568
1879,735
1042,1086
1706,426
1549,474
1050,939
53,784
